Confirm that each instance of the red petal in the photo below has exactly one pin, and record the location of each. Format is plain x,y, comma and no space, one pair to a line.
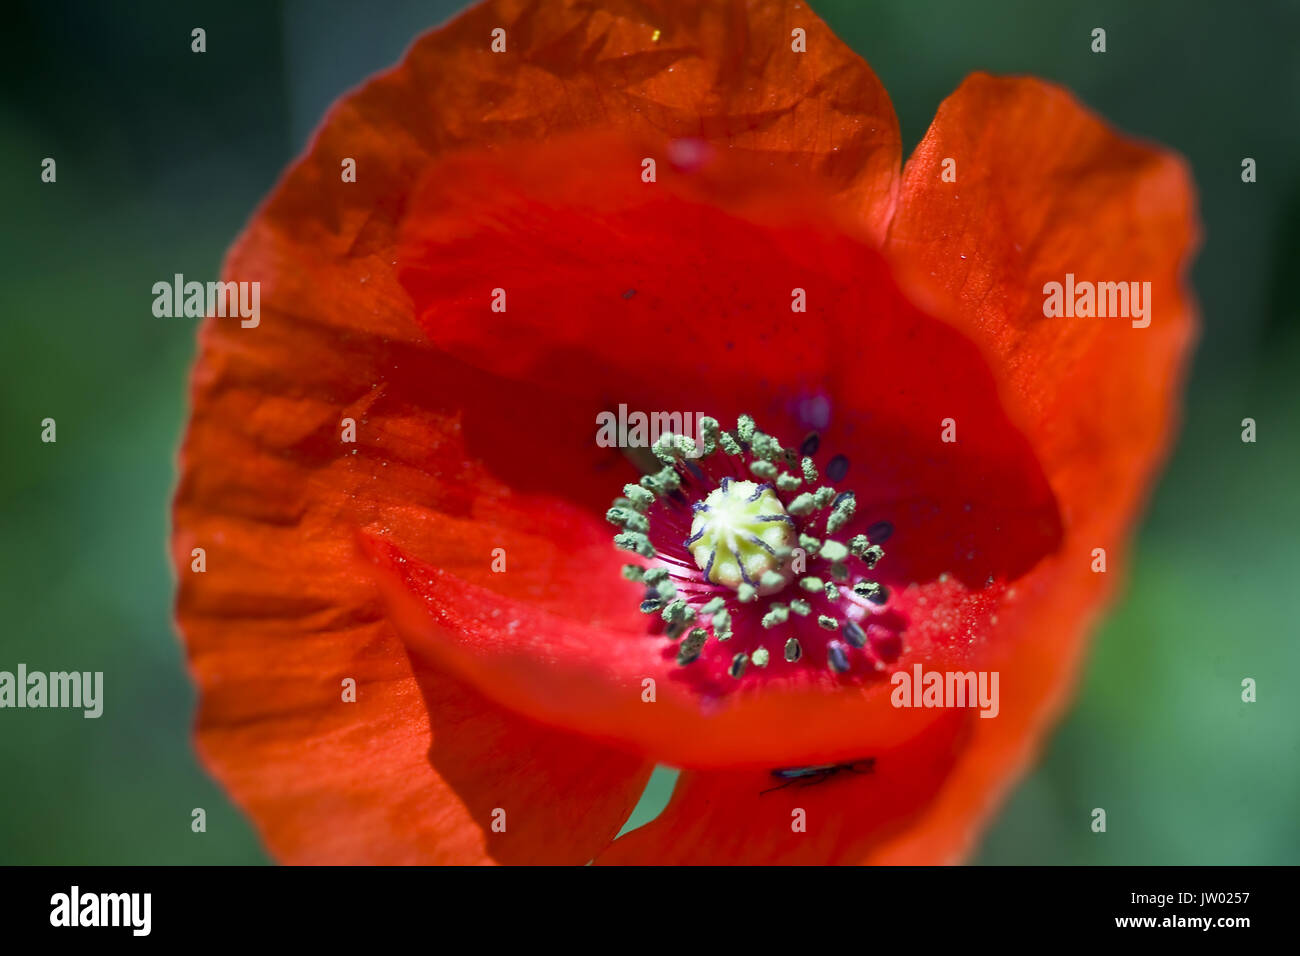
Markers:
1044,188
414,769
739,817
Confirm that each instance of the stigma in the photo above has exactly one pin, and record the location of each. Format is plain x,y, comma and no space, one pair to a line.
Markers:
738,534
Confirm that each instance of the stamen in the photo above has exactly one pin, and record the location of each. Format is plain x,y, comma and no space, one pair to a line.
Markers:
690,648
737,668
788,482
880,532
777,614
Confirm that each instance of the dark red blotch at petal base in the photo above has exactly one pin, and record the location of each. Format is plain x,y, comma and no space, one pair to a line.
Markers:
712,258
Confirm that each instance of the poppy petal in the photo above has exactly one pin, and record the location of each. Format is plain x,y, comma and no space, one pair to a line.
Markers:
836,815
1044,188
407,764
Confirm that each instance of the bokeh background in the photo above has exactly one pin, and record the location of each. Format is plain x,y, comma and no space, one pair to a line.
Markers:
163,154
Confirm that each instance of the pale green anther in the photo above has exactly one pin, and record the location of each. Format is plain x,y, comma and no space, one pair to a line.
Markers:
811,584
746,593
729,444
783,554
691,645
828,622
801,505
669,480
745,428
771,581
793,650
678,611
738,663
684,446
841,514
709,431
839,571
831,591
634,572
809,543
777,614
760,657
765,446
809,470
634,541
824,496
864,549
802,608
654,575
714,606
651,483
764,469
627,518
722,625
666,590
788,482
663,448
866,588
833,551
640,497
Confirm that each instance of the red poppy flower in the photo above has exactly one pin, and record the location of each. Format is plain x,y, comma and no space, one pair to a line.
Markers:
930,465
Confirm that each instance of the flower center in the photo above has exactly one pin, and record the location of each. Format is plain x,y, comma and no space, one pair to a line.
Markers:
746,547
735,535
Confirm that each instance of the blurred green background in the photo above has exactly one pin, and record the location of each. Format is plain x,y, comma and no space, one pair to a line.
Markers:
162,155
